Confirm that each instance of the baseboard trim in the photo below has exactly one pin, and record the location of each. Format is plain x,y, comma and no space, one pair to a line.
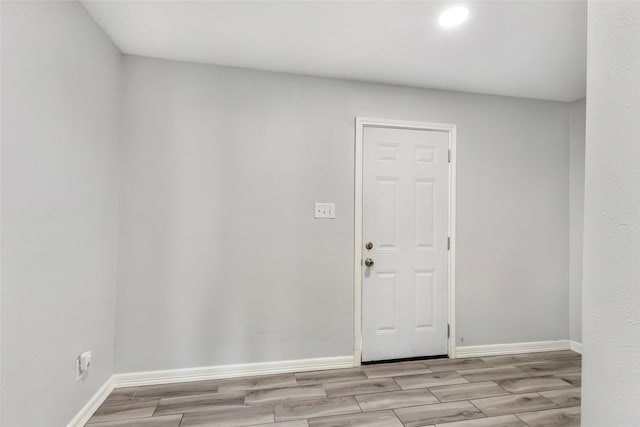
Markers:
132,379
575,346
93,404
514,348
169,376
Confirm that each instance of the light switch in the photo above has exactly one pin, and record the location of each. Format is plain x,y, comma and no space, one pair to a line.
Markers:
325,210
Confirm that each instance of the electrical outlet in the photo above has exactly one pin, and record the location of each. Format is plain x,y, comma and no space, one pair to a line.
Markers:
325,210
83,362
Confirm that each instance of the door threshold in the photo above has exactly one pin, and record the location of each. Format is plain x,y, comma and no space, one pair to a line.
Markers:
406,359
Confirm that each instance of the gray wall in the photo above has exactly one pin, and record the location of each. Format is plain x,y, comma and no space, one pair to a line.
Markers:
60,99
611,312
577,111
221,262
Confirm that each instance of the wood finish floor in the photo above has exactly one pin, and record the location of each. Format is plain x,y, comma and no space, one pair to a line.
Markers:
535,390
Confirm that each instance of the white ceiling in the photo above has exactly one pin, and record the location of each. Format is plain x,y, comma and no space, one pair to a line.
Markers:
534,49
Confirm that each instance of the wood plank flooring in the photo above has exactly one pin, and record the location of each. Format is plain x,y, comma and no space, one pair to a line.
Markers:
524,390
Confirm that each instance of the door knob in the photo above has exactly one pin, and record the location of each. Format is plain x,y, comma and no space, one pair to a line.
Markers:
368,262
369,246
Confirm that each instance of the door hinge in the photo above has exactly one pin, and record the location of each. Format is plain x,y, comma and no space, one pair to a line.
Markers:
448,331
448,243
449,156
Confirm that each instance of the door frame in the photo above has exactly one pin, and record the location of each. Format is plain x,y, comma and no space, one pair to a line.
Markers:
361,123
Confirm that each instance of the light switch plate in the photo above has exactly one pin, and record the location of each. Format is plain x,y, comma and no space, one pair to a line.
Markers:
325,210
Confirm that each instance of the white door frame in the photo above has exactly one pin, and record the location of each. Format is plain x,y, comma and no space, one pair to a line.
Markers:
361,123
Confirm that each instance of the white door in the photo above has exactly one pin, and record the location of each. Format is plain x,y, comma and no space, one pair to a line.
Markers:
405,220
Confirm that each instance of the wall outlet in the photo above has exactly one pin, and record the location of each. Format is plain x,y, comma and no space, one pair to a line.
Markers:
83,363
325,210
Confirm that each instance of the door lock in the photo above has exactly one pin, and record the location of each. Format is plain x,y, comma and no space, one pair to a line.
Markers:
368,262
369,246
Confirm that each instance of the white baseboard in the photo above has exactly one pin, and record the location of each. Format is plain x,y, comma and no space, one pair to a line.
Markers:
575,346
228,371
92,405
515,348
169,376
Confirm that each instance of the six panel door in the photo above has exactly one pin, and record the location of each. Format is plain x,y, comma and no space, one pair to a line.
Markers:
405,218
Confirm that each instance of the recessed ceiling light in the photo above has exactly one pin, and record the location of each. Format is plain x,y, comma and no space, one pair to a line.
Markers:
453,16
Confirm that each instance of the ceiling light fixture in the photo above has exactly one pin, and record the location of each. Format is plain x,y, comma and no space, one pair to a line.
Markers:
453,16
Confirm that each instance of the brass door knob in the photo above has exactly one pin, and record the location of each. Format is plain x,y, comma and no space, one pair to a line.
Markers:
368,262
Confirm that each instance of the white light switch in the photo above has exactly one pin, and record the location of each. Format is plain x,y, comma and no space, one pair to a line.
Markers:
325,210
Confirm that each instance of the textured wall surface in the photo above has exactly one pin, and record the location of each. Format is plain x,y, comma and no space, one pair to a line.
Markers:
221,261
576,214
60,113
611,313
